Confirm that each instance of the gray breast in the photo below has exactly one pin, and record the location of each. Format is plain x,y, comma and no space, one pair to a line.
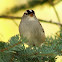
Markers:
31,30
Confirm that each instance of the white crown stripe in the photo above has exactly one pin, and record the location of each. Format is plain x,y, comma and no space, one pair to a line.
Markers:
30,10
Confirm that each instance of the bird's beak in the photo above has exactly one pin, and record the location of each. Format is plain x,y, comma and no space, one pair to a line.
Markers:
31,14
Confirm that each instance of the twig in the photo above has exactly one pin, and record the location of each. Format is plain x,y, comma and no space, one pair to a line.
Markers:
2,50
56,23
33,54
53,5
12,58
12,17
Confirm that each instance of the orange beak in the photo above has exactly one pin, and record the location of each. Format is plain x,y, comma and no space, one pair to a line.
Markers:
31,14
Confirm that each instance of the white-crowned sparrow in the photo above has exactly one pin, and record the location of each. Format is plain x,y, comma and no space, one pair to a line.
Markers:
31,29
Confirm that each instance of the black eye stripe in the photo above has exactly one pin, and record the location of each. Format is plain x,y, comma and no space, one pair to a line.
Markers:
33,11
26,13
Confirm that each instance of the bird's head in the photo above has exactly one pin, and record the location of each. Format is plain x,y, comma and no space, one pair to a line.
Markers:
29,13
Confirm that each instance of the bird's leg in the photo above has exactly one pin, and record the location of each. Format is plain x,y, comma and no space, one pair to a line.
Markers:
33,44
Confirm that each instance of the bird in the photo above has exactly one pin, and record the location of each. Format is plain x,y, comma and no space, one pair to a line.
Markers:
31,29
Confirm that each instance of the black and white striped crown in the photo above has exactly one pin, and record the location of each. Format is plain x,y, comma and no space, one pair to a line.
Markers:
30,11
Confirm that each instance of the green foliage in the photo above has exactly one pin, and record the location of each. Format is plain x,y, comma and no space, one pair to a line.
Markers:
2,45
15,50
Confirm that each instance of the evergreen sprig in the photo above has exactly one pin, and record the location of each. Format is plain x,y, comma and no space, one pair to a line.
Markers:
15,50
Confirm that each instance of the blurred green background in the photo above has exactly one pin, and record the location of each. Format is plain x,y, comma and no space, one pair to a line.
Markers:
48,10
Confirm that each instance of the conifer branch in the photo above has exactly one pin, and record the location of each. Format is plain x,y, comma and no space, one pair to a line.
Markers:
2,50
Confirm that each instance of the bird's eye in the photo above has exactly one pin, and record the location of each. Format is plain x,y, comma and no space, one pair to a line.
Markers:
25,13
